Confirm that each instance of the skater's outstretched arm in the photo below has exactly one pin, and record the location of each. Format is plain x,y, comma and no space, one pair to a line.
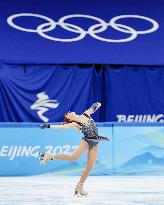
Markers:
64,126
93,108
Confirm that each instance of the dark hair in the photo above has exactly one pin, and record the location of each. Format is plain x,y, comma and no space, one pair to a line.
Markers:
66,119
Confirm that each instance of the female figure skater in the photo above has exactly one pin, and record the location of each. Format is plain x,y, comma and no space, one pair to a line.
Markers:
89,142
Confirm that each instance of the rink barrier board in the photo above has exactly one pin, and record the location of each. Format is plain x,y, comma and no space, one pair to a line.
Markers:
133,149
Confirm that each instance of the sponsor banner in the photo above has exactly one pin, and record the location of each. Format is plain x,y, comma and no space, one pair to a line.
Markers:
115,32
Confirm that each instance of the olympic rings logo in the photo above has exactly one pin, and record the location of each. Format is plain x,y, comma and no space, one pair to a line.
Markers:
93,30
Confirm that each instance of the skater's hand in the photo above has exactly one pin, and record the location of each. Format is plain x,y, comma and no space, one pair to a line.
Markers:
44,126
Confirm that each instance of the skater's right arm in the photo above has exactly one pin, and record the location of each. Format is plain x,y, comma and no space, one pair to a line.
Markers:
64,126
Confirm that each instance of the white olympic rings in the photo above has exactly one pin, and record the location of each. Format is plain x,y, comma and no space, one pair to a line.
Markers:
93,30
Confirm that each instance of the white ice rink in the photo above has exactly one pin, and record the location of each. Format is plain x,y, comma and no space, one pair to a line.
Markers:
58,190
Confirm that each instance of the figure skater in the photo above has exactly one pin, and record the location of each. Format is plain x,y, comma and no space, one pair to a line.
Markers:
89,142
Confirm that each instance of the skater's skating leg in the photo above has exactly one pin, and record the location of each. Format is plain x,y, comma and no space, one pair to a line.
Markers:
92,156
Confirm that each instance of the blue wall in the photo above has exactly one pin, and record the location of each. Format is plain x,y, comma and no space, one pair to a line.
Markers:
44,93
133,149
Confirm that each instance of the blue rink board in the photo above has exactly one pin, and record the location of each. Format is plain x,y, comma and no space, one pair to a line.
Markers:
133,149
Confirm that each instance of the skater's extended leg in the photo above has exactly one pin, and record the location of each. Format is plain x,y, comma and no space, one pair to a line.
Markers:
83,146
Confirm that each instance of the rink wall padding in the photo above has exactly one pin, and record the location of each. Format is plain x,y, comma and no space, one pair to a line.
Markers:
133,149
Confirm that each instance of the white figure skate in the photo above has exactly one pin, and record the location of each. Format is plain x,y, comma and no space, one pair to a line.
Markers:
44,157
79,190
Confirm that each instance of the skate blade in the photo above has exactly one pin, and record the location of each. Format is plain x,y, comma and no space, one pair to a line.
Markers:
77,194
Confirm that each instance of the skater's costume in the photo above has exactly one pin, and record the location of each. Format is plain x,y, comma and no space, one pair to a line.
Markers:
90,132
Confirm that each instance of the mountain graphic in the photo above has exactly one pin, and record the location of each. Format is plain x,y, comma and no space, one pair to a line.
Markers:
154,150
145,164
144,159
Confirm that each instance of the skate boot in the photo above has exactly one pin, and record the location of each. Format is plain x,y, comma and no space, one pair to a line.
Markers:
44,157
79,190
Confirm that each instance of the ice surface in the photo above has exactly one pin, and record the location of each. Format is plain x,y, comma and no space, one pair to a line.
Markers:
103,190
